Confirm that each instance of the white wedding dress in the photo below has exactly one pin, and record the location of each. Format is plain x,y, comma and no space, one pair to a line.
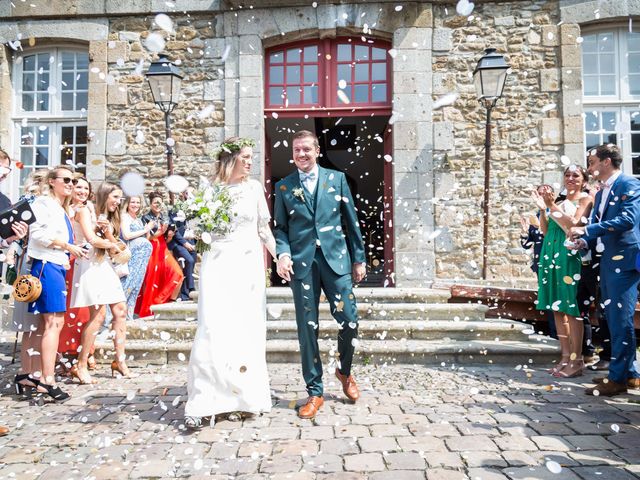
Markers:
228,369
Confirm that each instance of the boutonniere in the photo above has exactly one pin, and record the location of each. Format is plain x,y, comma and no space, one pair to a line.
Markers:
299,193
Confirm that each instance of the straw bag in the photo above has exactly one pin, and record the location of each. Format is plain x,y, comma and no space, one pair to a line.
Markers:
123,255
27,288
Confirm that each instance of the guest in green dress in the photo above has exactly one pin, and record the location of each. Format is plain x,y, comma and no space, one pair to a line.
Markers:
559,267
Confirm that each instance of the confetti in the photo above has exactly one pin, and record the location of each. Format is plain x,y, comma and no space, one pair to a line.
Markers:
132,184
176,183
464,8
445,100
155,42
164,22
553,467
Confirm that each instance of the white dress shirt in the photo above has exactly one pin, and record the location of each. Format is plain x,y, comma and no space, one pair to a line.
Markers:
608,183
310,184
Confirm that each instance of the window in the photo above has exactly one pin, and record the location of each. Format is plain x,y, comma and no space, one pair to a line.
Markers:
294,76
611,92
329,74
50,114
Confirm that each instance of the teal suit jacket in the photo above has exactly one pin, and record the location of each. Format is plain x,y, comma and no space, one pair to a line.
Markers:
332,224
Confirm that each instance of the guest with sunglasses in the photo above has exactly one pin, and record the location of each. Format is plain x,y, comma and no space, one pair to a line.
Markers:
50,244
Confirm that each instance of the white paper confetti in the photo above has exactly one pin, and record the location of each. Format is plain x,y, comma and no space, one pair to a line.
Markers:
155,42
132,183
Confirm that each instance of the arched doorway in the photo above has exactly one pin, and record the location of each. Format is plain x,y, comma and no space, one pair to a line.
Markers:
341,90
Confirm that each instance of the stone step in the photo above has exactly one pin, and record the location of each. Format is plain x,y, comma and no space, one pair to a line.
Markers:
537,351
387,330
377,311
368,295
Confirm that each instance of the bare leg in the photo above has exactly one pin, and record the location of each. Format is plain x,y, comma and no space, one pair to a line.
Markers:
576,361
119,327
87,339
30,355
49,346
30,351
562,327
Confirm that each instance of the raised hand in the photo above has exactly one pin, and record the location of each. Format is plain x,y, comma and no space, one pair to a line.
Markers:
538,200
548,197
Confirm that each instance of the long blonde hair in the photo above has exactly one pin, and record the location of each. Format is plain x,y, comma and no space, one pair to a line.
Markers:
36,183
124,208
228,157
52,175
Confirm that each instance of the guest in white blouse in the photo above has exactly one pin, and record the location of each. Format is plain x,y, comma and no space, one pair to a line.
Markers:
50,244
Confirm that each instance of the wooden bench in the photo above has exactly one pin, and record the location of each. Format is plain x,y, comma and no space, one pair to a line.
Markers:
510,303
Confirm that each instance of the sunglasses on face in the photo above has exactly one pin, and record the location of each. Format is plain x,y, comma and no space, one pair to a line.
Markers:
73,181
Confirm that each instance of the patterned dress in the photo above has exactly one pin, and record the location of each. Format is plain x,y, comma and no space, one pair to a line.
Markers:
140,253
559,269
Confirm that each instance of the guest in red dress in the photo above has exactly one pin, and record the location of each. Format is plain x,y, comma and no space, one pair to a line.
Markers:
164,276
74,318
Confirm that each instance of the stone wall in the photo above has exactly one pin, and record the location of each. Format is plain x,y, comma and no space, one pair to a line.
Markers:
437,155
134,138
531,129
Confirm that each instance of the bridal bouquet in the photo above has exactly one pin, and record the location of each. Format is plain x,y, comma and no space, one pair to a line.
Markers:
208,213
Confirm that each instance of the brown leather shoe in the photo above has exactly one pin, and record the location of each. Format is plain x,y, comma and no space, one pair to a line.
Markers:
608,389
631,383
349,386
600,365
309,409
3,430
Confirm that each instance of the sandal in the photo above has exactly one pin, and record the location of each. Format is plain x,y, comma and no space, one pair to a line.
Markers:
193,423
91,363
234,416
22,388
54,392
82,375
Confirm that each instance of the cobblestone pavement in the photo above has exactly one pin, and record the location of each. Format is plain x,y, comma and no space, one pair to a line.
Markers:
412,422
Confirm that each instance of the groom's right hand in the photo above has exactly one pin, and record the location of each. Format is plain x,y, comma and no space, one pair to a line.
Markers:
285,267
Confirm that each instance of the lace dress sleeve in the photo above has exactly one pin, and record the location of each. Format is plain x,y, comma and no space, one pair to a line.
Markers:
264,231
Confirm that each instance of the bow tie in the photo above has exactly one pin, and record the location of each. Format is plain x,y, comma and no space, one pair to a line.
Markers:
307,176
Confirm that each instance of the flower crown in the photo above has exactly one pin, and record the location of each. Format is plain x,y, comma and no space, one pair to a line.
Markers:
230,147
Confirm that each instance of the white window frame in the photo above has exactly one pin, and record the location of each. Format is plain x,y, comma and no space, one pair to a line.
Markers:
55,117
54,145
623,103
55,79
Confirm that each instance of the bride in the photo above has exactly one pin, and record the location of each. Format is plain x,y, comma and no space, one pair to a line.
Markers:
228,370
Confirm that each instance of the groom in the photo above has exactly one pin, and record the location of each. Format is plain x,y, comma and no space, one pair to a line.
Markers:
615,231
312,207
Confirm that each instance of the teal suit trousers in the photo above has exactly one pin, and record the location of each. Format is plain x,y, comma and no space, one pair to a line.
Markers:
306,296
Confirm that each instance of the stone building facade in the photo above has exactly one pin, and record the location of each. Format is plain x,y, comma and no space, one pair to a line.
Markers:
425,155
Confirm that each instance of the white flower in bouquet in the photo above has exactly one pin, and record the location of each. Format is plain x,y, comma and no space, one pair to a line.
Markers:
208,213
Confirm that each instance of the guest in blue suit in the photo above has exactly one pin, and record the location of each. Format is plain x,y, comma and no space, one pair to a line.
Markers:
614,232
185,252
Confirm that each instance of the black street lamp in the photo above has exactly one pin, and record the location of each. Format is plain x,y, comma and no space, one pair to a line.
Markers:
164,81
489,78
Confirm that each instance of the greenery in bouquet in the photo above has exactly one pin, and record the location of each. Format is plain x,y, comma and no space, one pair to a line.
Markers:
208,212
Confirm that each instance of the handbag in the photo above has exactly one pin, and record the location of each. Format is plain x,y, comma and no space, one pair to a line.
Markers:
27,288
124,254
